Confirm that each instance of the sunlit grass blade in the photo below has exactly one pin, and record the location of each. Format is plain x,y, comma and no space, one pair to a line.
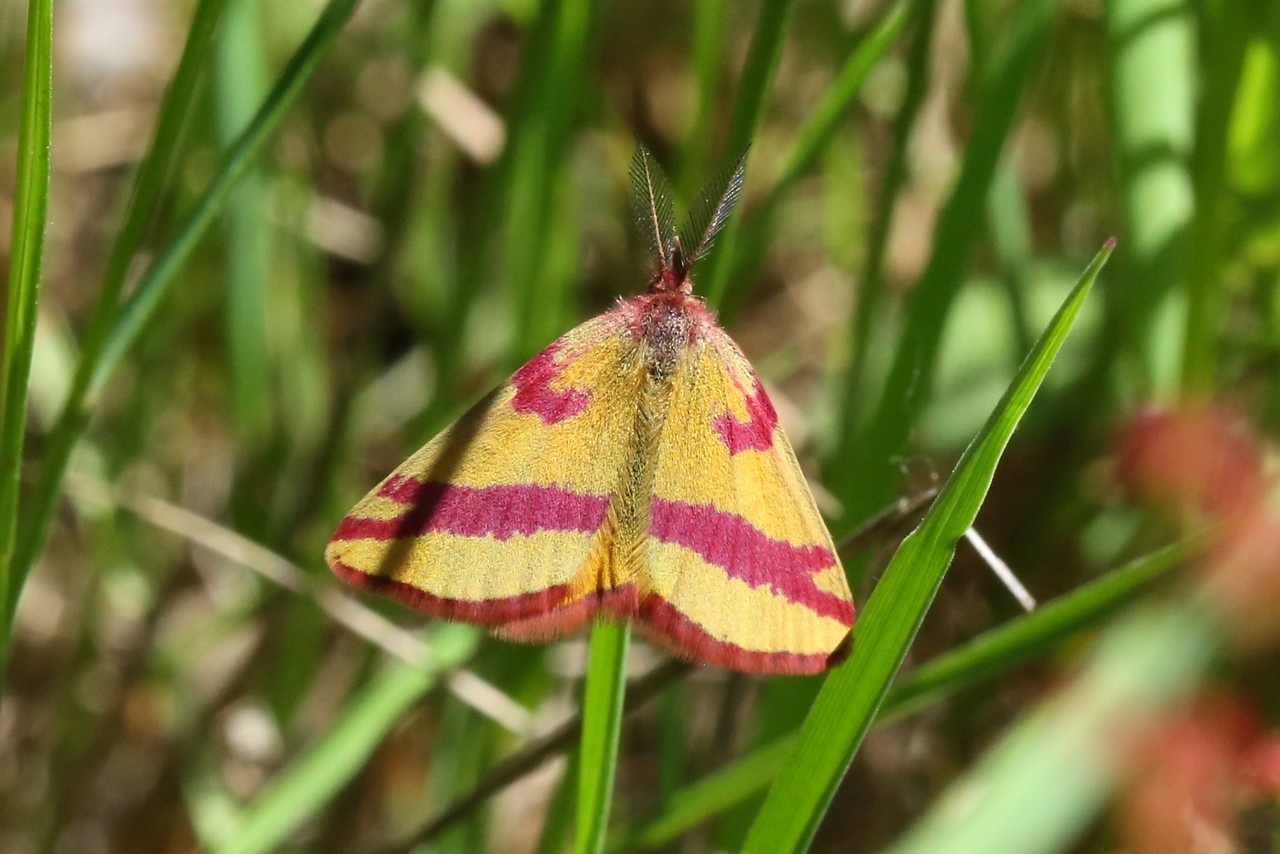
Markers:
26,259
709,30
557,828
851,696
1215,104
303,788
754,89
871,454
241,85
987,656
1153,86
601,724
1048,777
98,364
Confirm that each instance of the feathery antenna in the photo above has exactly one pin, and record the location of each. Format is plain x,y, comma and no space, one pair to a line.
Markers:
711,212
651,202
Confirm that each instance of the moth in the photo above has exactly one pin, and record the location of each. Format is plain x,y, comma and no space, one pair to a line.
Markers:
634,469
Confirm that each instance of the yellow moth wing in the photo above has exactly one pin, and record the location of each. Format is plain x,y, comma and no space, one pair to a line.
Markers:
743,571
491,520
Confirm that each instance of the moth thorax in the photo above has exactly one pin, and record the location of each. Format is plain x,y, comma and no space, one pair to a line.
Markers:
668,330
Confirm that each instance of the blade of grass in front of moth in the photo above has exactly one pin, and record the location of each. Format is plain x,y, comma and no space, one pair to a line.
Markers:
872,453
300,790
602,703
98,365
852,694
754,89
985,657
26,259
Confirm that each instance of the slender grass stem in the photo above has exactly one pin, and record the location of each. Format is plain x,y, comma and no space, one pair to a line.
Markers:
31,206
601,725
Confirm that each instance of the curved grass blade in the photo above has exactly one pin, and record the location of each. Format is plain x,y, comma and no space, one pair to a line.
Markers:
851,695
303,788
601,724
26,258
990,654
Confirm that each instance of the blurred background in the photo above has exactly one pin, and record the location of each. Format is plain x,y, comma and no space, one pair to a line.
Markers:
448,193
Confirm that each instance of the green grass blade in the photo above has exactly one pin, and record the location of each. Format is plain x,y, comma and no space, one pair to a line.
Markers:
97,366
1047,778
30,216
601,724
1153,85
142,303
305,786
150,181
872,453
1207,299
241,86
710,26
712,795
753,96
551,89
557,828
989,655
38,511
851,696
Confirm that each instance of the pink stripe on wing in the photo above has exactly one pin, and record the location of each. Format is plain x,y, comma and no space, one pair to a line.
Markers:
756,433
688,640
499,511
746,553
534,394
